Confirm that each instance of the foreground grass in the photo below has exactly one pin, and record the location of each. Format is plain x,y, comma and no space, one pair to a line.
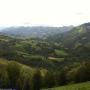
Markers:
79,86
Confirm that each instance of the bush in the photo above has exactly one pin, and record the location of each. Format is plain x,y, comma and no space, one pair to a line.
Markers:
49,79
37,80
13,71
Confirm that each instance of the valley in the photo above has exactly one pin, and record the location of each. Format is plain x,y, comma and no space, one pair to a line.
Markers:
45,57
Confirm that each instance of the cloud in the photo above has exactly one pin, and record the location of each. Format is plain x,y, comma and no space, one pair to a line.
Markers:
79,13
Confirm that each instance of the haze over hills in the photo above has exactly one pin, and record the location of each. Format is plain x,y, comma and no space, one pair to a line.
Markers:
37,31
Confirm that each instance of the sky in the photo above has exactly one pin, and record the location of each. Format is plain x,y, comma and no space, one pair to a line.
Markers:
44,12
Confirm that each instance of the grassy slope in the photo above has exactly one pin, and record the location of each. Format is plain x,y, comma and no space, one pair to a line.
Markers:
80,86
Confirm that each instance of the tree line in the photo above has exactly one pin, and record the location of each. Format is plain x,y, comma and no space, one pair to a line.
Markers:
12,77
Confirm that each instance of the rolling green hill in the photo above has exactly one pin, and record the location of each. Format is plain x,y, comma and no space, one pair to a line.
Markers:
73,46
78,35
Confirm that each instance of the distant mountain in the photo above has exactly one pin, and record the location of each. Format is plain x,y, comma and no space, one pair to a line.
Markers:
27,32
1,28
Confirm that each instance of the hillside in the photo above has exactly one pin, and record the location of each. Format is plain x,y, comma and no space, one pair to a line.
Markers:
76,40
78,35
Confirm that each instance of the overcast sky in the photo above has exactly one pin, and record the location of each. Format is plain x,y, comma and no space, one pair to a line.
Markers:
44,12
